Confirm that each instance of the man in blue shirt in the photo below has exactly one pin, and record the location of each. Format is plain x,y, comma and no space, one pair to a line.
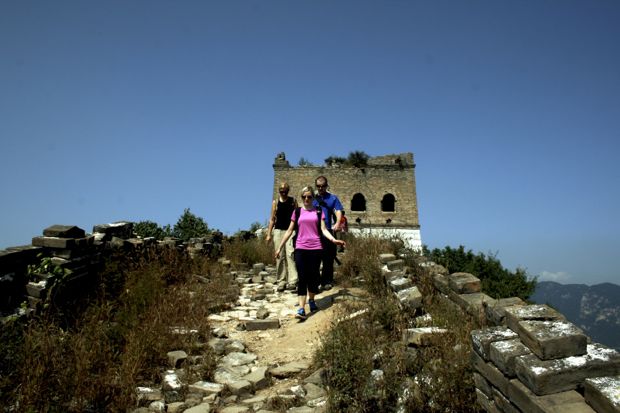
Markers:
331,206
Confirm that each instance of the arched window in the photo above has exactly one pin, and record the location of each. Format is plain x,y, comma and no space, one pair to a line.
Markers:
358,203
387,203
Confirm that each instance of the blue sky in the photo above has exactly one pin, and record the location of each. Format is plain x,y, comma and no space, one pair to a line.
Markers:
136,110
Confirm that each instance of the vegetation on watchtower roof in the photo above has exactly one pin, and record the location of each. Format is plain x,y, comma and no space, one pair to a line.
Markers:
358,159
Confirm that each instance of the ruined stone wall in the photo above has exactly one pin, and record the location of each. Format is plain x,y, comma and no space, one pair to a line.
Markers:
73,256
531,359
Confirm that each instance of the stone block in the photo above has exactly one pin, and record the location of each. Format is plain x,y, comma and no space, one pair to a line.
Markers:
483,385
400,283
258,377
410,298
563,402
206,387
148,394
37,290
64,231
552,376
385,258
258,267
503,354
473,303
395,265
54,242
176,358
535,312
502,403
481,339
487,404
496,312
424,336
62,243
201,408
119,229
289,369
239,387
441,283
266,324
489,372
603,393
552,339
464,283
434,268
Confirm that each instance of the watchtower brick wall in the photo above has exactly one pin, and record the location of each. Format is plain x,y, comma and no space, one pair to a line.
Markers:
378,198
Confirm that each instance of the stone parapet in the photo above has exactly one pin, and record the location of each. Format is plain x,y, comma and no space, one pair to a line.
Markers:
531,359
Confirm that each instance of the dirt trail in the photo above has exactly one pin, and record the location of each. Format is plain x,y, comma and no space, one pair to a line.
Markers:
294,340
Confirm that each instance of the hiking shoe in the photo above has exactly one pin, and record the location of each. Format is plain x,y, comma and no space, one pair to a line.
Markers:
327,287
313,307
301,314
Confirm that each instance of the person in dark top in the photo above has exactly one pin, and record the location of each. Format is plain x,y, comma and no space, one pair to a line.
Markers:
279,221
332,209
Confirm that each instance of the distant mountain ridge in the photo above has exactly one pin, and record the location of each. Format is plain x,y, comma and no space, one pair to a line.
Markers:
595,309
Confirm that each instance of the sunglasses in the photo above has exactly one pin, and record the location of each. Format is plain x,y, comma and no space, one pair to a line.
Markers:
321,186
306,196
283,192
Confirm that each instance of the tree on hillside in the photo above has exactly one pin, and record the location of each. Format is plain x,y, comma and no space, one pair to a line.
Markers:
147,229
190,226
497,281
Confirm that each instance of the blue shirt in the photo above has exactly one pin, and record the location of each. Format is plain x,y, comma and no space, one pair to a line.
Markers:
332,203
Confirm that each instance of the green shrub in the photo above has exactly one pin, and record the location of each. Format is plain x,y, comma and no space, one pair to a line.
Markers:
145,229
190,226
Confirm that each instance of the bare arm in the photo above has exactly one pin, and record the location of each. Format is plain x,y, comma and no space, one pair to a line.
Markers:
338,213
285,238
272,221
329,236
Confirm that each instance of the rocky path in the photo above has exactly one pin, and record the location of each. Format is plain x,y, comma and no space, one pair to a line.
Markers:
264,355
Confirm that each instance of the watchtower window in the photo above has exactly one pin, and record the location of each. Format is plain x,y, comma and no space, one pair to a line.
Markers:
358,202
387,203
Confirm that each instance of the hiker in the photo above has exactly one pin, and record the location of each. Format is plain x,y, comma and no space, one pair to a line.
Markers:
279,221
332,209
307,220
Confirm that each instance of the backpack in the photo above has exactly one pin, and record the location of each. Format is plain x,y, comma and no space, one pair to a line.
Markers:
319,215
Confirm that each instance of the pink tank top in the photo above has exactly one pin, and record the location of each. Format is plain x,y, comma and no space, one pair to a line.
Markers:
307,230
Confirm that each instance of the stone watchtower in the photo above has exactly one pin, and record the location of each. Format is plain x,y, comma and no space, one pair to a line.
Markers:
378,198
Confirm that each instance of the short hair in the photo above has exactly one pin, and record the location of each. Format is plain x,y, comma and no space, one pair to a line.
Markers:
321,178
307,188
284,186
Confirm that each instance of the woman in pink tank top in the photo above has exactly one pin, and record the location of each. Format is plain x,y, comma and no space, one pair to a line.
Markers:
308,249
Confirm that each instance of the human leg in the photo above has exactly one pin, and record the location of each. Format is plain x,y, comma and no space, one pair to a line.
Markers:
291,268
301,261
281,262
328,255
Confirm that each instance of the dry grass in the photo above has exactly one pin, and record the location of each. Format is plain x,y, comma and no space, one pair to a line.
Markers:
147,306
251,251
431,379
